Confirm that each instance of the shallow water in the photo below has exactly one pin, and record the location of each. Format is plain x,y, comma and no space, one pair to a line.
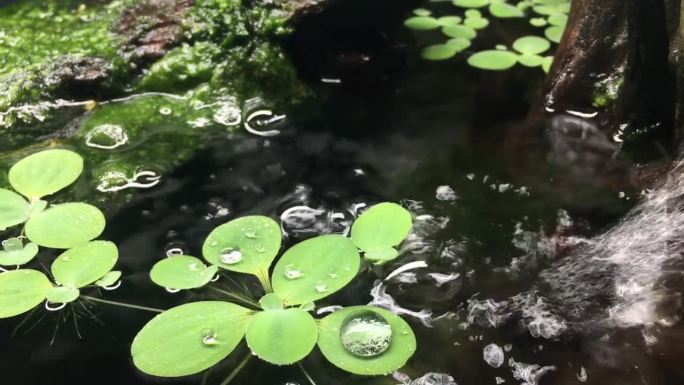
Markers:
435,138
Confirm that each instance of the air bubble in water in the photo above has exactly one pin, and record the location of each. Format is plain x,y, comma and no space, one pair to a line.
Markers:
106,137
230,256
292,272
165,111
366,334
493,355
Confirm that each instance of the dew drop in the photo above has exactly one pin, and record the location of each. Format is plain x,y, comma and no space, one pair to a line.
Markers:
260,249
230,256
333,274
366,334
292,272
213,244
170,290
209,338
165,111
250,234
321,287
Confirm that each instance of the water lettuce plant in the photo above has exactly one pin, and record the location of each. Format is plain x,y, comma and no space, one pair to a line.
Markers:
72,227
461,29
280,327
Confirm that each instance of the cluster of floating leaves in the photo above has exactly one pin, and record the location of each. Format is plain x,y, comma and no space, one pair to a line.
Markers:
72,227
462,29
279,328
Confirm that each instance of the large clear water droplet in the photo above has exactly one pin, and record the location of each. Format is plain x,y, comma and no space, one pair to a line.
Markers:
292,272
366,334
209,338
230,256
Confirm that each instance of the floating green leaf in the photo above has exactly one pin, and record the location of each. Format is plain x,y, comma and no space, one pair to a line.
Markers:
182,272
422,23
45,172
84,264
459,31
558,19
14,253
380,227
62,294
315,268
470,3
13,209
271,301
246,245
458,43
449,20
538,22
382,255
494,60
501,9
282,337
421,12
66,225
349,357
531,60
476,22
554,33
189,338
21,291
531,45
109,279
546,64
438,52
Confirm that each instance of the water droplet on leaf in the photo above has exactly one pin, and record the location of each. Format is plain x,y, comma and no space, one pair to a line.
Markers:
209,338
230,256
366,334
292,272
321,287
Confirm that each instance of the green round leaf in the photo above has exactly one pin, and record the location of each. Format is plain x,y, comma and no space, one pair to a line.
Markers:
531,60
531,45
182,272
494,60
546,64
449,20
554,33
538,22
246,244
558,19
438,52
21,291
401,347
421,12
84,264
190,338
65,226
547,10
381,226
470,3
15,253
315,268
109,279
282,337
45,172
62,294
422,23
476,22
459,43
459,31
271,301
13,209
505,10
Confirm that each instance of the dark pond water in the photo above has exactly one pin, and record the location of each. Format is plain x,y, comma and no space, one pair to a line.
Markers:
453,146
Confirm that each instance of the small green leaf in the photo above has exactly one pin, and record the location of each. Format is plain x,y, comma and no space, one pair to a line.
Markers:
62,294
190,338
271,301
476,22
13,209
531,45
459,31
547,10
15,253
66,225
315,268
402,344
459,43
84,264
421,23
282,337
449,20
21,291
505,10
470,3
494,60
473,14
554,33
45,172
531,60
381,226
182,272
381,256
558,19
546,64
246,245
109,279
421,12
438,52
